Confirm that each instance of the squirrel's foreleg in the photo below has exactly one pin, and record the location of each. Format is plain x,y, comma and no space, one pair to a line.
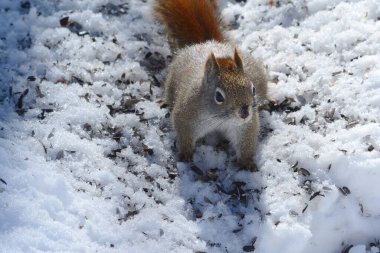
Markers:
246,145
185,138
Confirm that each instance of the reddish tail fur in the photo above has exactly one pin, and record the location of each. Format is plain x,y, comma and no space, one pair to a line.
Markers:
189,21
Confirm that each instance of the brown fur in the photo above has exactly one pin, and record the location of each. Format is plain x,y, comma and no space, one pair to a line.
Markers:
215,4
232,65
189,21
226,63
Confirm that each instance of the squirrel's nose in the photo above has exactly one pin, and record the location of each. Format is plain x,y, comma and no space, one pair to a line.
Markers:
244,111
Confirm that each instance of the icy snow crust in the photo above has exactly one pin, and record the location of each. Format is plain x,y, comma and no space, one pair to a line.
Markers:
87,153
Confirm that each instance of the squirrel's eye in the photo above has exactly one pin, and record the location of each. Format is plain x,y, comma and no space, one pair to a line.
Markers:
219,96
253,89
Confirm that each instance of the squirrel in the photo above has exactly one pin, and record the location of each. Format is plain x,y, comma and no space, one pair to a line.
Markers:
211,86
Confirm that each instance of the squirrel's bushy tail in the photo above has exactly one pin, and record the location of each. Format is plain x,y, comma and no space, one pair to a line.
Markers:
189,21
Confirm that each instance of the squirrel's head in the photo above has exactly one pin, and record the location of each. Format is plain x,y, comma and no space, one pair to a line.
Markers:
229,92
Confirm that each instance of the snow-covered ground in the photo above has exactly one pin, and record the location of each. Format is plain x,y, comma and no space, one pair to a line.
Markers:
87,153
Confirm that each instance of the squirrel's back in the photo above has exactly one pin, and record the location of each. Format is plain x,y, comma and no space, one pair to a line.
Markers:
189,21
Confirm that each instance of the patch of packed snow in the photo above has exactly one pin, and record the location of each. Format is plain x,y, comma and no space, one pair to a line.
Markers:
88,155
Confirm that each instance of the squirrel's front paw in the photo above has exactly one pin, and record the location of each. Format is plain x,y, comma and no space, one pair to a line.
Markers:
184,156
248,165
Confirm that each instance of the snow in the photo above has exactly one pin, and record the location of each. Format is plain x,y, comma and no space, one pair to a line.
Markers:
88,154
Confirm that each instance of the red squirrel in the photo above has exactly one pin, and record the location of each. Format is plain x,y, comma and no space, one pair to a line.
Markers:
211,85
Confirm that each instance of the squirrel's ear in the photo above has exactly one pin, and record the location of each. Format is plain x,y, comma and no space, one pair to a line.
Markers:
238,61
212,66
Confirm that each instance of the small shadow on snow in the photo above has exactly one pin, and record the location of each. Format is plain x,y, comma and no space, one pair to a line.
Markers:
222,200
